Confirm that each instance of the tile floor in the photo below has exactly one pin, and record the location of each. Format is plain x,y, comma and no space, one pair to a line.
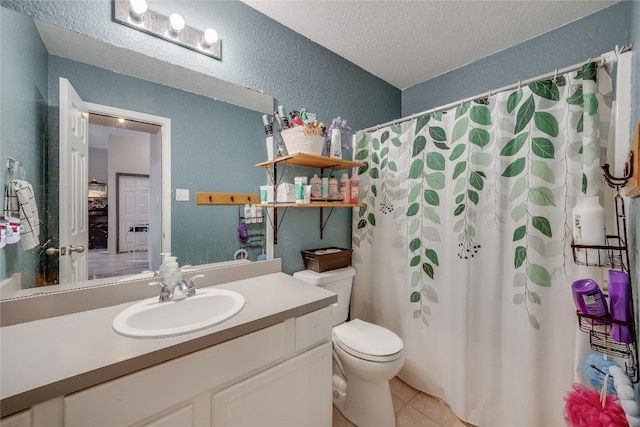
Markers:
413,409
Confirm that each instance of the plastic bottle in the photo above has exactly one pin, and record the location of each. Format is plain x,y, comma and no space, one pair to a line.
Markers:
165,265
588,222
588,228
344,188
325,189
355,190
619,301
316,187
336,144
589,298
334,192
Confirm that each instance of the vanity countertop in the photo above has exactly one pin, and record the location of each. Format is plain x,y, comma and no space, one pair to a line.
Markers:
51,357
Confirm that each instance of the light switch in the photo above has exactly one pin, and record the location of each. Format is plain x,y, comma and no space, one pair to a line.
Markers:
182,195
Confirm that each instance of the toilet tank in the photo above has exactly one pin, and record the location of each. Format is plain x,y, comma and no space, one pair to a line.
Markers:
338,281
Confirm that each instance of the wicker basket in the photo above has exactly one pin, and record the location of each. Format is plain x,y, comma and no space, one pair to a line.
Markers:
326,261
297,142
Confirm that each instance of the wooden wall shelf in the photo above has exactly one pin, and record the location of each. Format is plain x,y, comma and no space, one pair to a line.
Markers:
312,161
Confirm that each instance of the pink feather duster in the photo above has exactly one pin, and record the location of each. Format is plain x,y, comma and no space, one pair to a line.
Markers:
588,408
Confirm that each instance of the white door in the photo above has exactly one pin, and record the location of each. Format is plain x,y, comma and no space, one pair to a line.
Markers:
133,213
74,151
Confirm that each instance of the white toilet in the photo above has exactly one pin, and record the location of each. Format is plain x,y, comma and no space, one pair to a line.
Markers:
366,356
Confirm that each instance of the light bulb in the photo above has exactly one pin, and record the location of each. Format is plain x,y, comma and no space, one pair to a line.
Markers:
138,8
210,37
176,23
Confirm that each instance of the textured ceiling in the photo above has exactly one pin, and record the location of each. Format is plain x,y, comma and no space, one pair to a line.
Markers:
407,42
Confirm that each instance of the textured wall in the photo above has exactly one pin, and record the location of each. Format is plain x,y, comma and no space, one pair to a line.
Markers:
575,42
260,54
22,122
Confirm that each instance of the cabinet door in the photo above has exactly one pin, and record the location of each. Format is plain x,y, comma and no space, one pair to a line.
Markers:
295,393
21,419
180,417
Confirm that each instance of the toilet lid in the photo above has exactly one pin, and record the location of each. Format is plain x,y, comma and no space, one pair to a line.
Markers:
364,339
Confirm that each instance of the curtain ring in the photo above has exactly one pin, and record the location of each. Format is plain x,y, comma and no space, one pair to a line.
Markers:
555,75
461,102
519,82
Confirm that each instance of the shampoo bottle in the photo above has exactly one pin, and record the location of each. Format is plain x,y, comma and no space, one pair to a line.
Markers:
619,301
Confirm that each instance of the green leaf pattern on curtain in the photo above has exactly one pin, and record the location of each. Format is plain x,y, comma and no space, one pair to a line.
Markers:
517,156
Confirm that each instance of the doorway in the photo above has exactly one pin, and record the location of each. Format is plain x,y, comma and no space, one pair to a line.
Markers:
125,154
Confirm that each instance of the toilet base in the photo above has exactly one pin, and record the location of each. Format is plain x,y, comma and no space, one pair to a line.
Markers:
366,404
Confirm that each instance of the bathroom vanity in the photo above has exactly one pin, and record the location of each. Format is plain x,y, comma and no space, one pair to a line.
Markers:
268,365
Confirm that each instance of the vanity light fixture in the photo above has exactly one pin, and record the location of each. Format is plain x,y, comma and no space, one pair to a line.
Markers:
176,23
136,14
137,9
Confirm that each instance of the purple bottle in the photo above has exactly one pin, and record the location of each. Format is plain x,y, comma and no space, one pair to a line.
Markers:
619,300
589,298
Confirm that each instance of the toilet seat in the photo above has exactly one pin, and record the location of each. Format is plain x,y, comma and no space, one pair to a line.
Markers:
367,341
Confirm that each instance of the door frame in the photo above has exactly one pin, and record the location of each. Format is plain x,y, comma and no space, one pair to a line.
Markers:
165,135
118,176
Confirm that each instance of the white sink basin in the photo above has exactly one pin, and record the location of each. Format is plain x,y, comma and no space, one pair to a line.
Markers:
152,319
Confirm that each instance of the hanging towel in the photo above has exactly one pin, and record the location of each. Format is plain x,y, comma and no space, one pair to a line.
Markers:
19,201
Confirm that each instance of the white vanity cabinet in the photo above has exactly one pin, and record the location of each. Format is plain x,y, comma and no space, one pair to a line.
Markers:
276,376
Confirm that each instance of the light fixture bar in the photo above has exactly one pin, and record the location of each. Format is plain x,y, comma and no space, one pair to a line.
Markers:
158,25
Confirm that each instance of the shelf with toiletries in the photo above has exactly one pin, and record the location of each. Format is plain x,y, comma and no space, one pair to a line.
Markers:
310,161
613,331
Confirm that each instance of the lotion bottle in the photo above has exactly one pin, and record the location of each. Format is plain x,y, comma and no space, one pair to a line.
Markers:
354,185
344,188
316,187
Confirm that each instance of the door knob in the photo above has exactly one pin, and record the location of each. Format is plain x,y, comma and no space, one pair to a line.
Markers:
56,251
78,249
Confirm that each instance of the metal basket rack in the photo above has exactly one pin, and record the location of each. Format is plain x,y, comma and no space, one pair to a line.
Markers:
613,255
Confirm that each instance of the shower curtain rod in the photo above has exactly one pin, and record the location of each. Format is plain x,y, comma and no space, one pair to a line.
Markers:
605,58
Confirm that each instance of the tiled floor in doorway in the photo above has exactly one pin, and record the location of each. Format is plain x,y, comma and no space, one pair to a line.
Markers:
413,409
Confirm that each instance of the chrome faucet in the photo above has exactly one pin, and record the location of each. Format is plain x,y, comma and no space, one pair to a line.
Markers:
179,290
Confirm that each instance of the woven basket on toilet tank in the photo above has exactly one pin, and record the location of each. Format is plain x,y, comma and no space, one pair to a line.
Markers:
326,259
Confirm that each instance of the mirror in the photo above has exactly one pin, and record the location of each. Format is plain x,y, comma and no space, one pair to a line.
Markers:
214,144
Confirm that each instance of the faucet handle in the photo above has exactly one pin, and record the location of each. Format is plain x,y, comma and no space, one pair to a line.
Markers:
165,293
193,279
190,287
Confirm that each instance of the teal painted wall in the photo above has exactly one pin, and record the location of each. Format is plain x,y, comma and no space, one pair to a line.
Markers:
575,42
23,117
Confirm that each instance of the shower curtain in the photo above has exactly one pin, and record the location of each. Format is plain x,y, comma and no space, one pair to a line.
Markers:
463,249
